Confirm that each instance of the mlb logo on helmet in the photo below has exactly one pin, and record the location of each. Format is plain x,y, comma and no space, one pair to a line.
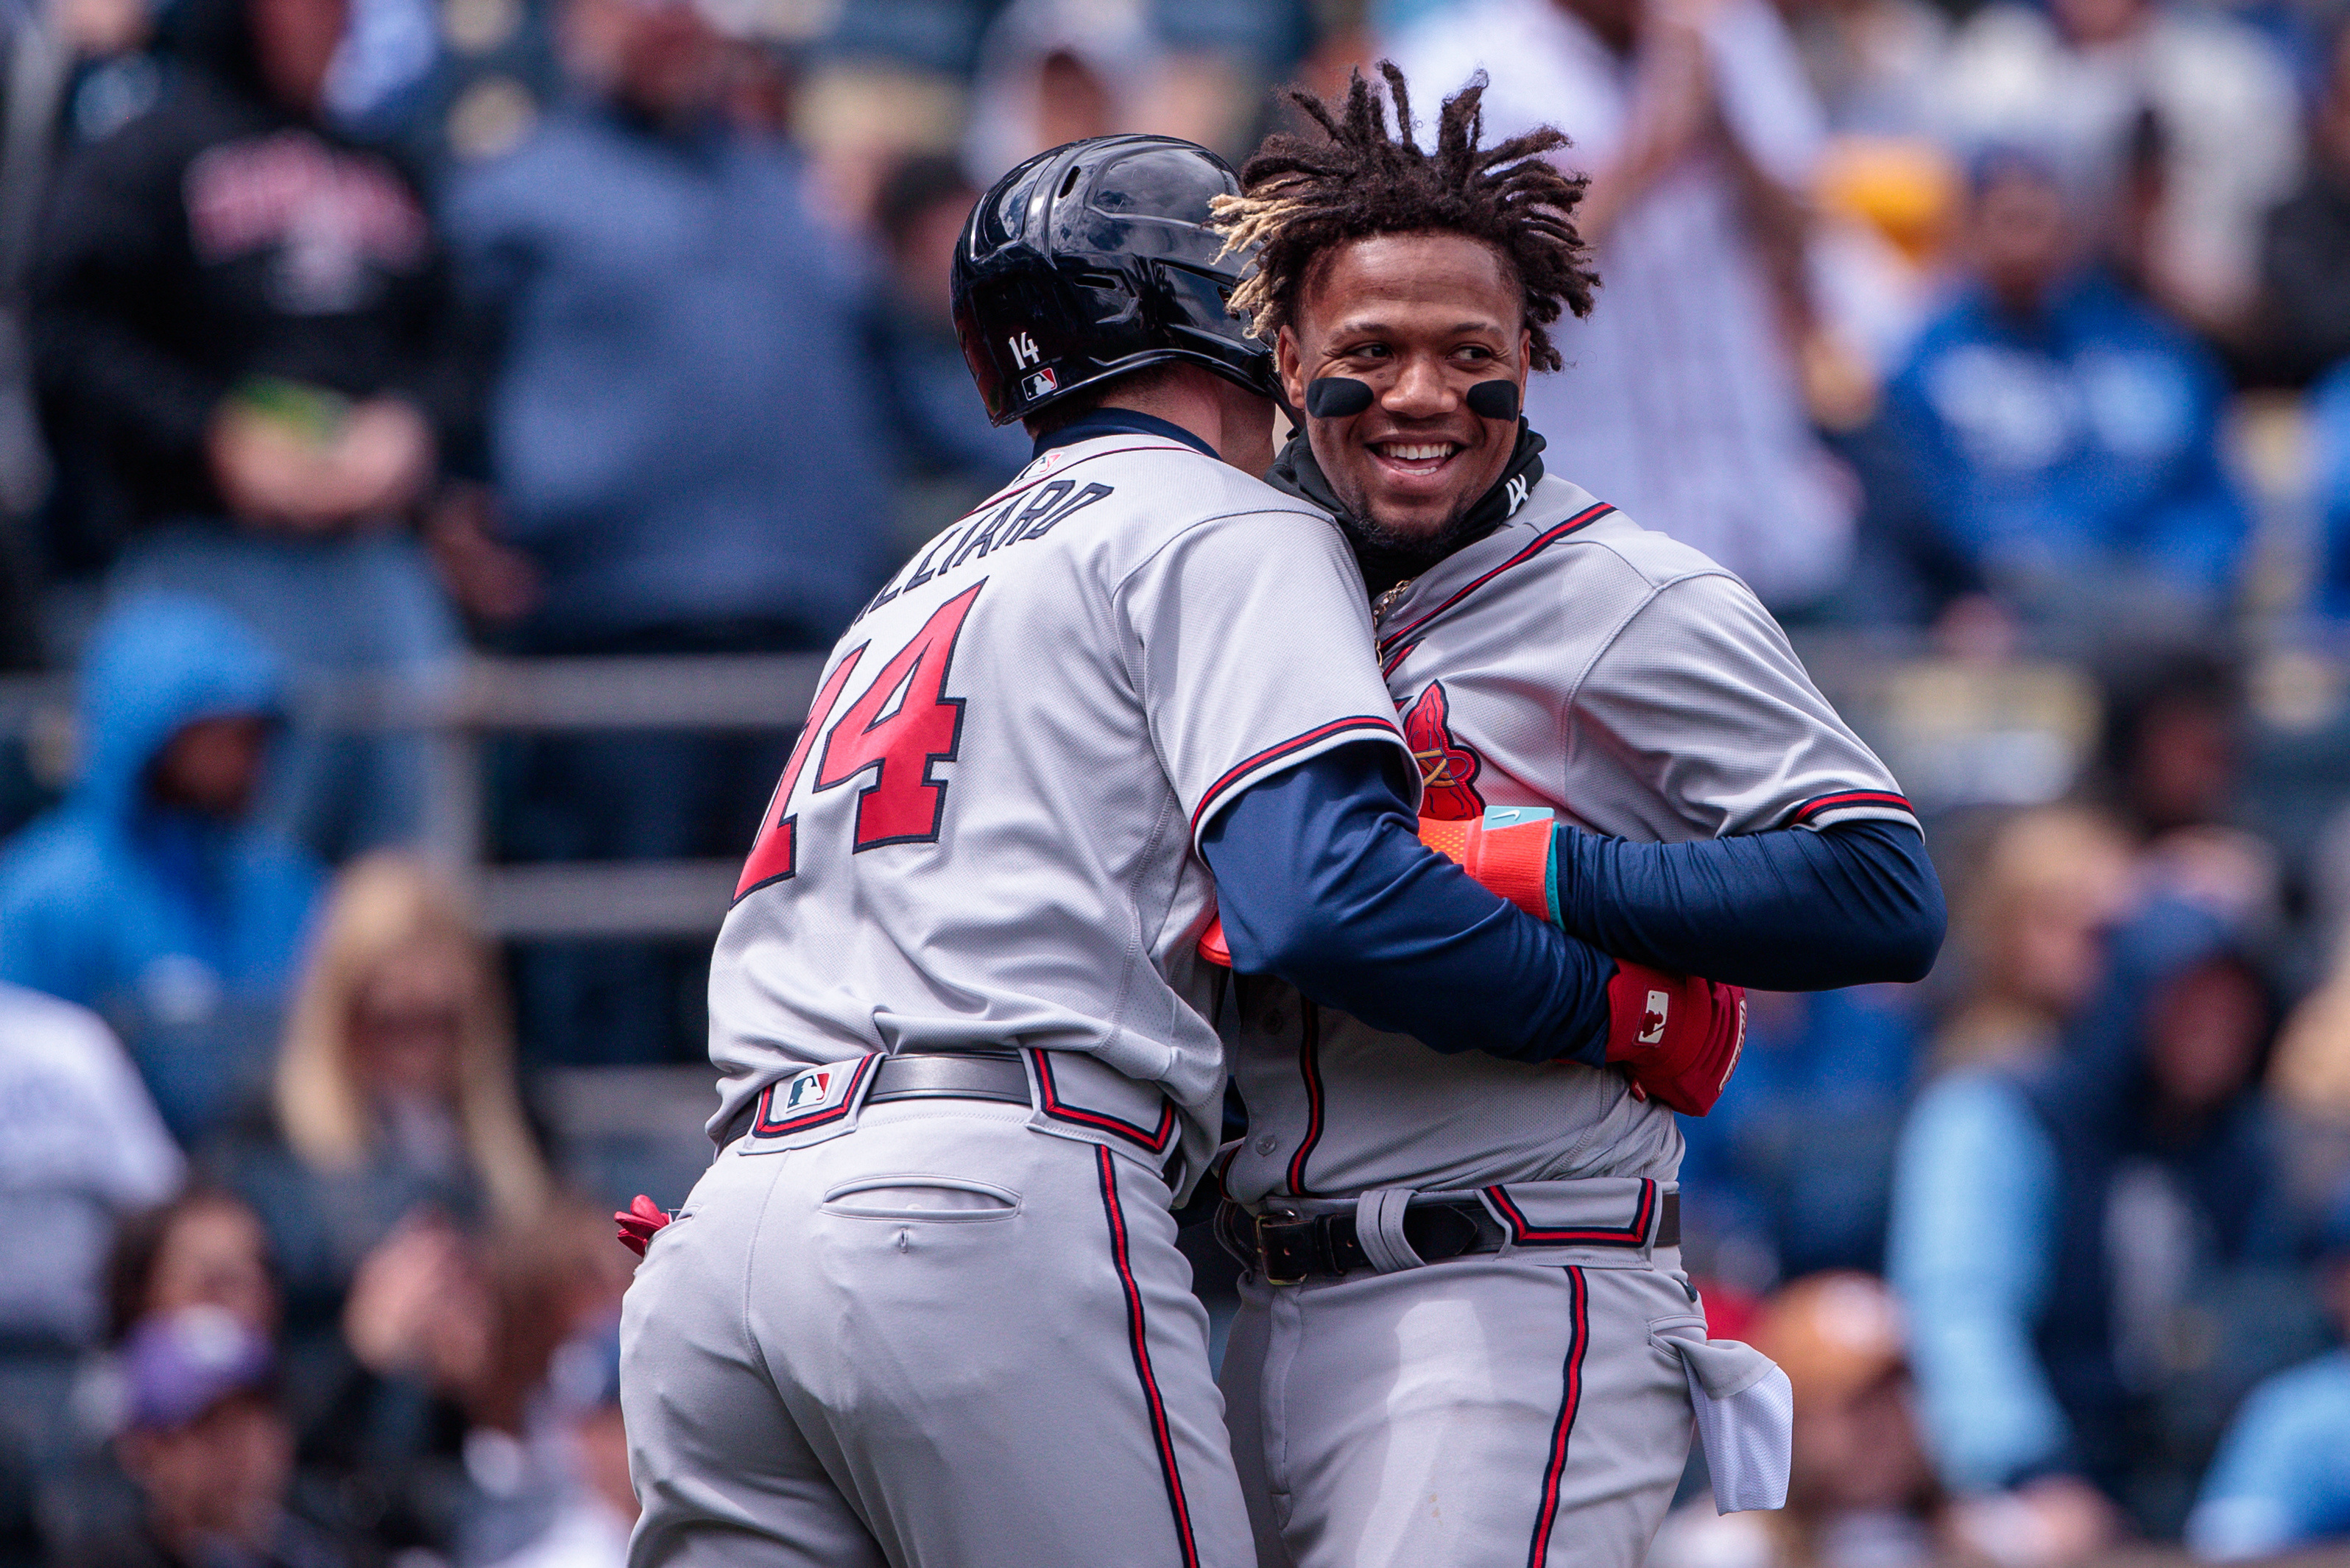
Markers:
810,1088
1040,383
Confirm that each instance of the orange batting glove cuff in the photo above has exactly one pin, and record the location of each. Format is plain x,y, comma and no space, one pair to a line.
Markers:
1506,851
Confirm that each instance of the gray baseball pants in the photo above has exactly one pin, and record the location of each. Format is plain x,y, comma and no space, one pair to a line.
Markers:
943,1340
1488,1411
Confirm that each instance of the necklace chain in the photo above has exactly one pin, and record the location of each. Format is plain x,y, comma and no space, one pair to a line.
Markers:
1387,601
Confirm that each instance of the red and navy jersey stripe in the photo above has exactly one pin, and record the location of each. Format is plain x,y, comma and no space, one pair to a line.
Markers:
1309,1063
1523,1232
1364,723
1154,1140
1162,1433
1821,805
1403,639
1570,1403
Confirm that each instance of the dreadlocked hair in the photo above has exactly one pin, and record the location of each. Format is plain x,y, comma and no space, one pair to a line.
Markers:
1301,197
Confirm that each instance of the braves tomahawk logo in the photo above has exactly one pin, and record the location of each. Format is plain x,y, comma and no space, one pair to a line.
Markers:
1448,770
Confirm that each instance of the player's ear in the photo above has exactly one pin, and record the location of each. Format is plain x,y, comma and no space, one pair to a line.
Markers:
1290,361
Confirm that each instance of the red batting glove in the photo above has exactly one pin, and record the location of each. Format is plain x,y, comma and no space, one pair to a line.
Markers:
639,1222
1679,1034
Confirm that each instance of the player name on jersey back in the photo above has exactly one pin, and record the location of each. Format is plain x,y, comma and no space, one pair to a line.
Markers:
985,835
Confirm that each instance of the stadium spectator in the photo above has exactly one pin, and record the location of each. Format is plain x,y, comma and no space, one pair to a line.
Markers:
2077,80
596,1506
2305,287
212,1453
1051,72
2031,933
1794,1167
2064,431
395,1093
953,457
2329,411
2281,1481
152,894
80,1147
1680,401
2051,1218
689,447
251,361
1860,1490
205,1248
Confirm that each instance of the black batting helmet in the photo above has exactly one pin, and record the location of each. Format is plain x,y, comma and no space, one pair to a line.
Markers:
1094,259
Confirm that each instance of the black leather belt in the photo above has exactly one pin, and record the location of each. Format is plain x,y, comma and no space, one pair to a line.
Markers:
1288,1250
982,1075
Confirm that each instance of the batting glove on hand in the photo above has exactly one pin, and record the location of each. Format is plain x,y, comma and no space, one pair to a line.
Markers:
1506,851
640,1221
1678,1034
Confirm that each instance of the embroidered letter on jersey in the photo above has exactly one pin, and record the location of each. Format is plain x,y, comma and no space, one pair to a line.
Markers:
1448,770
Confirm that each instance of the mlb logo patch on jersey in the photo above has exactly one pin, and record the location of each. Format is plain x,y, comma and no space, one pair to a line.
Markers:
809,1090
809,1097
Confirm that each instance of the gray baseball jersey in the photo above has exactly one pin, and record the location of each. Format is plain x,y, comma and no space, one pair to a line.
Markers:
1532,1406
987,832
1575,660
950,1333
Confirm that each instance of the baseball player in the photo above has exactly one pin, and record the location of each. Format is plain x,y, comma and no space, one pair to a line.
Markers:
926,1307
1466,1339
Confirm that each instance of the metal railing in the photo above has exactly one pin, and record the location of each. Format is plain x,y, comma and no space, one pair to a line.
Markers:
483,697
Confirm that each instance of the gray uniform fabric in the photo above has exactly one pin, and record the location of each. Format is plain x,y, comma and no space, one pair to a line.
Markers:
957,1334
1574,660
945,1340
1532,1406
1123,639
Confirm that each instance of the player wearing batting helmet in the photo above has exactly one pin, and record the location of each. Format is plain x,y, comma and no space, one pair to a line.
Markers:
926,1306
1466,1339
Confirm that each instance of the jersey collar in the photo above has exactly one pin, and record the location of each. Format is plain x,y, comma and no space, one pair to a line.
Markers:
1119,421
1295,471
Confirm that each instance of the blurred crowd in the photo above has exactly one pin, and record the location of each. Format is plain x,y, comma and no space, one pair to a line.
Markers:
2003,346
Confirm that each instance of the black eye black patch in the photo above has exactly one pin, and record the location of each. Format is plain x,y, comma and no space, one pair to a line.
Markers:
1338,397
1494,399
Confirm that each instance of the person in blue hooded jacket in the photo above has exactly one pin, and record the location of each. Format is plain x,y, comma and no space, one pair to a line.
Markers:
2281,1481
2064,431
2050,1215
151,894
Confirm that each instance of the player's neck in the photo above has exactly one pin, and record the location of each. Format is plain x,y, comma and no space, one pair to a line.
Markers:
1236,422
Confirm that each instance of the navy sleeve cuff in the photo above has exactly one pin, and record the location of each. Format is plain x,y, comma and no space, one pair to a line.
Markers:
1321,878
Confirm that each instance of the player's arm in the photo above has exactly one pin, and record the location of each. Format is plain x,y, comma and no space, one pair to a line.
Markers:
1253,653
1321,878
1817,876
1784,910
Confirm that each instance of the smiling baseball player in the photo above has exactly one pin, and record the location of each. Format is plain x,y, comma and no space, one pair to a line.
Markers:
926,1307
1466,1339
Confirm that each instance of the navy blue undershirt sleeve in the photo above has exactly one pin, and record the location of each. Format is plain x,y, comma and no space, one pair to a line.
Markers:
1321,878
1790,910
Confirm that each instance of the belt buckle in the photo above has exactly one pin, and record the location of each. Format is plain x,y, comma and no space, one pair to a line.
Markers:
1284,1237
